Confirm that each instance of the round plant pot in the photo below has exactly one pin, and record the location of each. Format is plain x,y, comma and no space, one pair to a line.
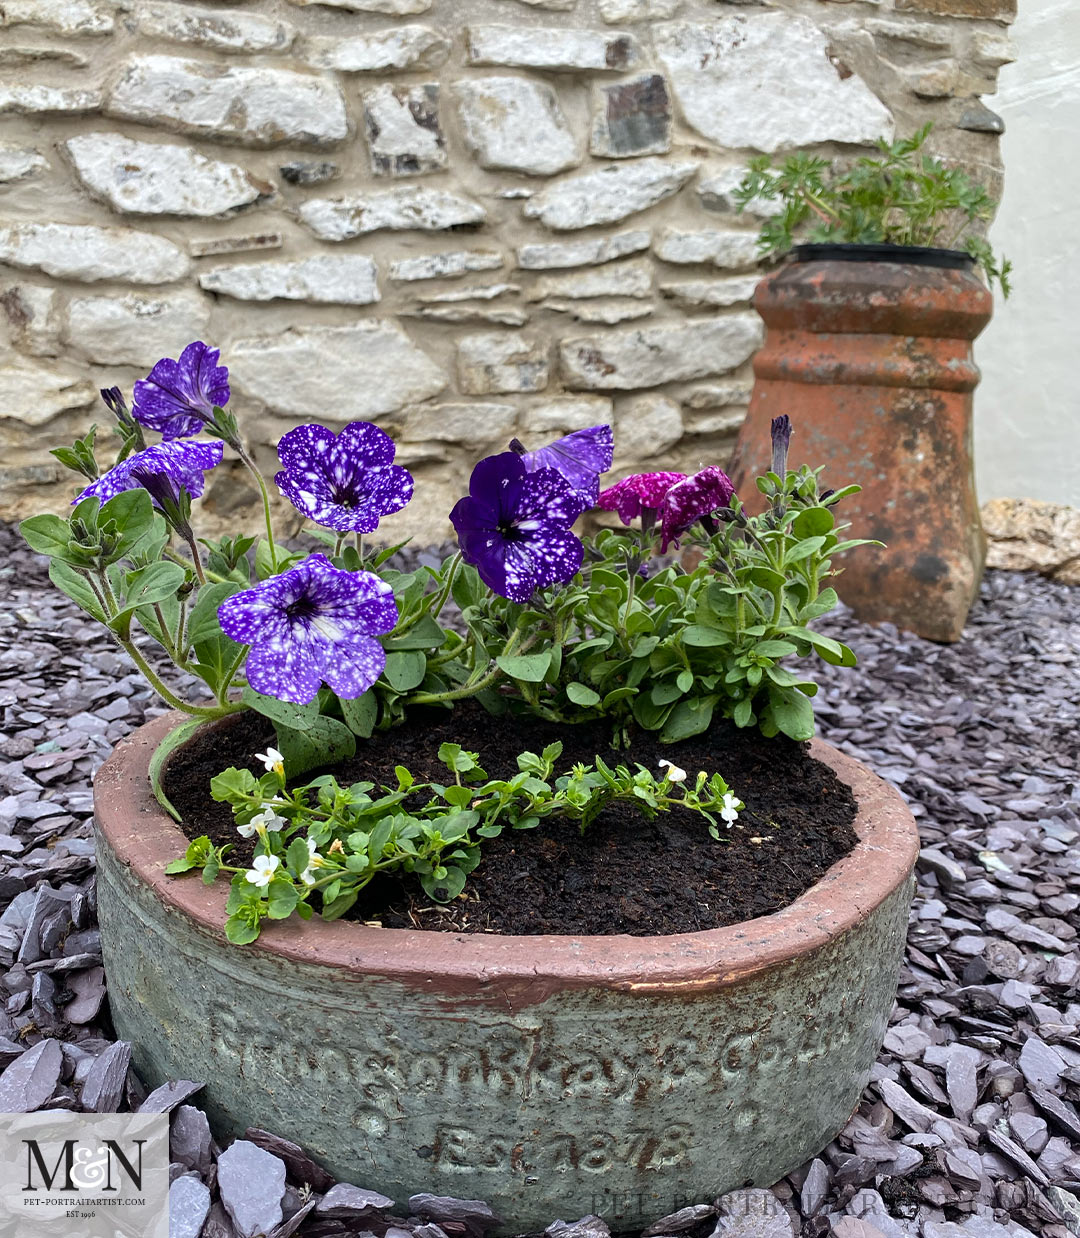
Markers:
551,1076
869,350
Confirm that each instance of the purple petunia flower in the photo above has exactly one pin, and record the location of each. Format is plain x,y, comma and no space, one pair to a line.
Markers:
347,481
580,457
162,470
692,500
311,624
642,492
514,527
178,398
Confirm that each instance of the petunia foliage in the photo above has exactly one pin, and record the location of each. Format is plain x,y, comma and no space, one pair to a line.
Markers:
566,599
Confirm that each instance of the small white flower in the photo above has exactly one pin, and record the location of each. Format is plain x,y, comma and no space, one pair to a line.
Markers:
260,823
272,760
314,862
728,809
674,774
263,869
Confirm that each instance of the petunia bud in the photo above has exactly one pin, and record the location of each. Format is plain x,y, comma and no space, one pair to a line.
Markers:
781,441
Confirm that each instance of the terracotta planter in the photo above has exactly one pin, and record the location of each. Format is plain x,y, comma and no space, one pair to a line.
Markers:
871,358
552,1076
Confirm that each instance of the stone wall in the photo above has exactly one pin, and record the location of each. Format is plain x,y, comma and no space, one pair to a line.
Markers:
463,219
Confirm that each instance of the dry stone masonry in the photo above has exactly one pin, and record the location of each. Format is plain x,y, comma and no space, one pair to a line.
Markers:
464,219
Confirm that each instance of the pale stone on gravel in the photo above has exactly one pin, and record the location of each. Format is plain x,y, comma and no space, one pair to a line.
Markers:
472,425
66,17
333,279
752,1213
43,100
350,373
258,106
19,162
32,394
764,81
718,247
406,47
33,317
613,11
395,210
626,279
499,364
88,253
189,1202
553,255
1032,535
645,427
550,47
135,329
516,124
225,30
156,178
608,195
445,266
650,356
710,293
251,1182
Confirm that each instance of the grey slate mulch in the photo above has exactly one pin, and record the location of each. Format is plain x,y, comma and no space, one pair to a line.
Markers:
970,1127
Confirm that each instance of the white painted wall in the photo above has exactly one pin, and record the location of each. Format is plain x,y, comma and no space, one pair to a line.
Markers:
1027,421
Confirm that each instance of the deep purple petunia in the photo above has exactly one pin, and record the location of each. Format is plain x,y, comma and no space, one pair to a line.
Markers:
162,470
691,500
642,492
178,398
311,624
514,527
347,481
580,457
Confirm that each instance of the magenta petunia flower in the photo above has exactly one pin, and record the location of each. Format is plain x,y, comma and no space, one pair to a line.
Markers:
642,492
580,457
178,398
514,527
312,624
347,481
692,500
163,470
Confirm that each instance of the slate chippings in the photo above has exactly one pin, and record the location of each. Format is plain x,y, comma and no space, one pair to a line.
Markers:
970,1126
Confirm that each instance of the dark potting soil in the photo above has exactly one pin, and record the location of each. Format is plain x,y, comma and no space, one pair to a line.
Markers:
625,875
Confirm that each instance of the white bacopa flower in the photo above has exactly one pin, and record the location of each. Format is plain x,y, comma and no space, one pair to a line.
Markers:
260,823
674,774
728,809
272,760
314,862
262,871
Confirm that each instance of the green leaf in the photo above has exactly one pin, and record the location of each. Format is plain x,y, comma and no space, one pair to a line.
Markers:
792,712
684,681
157,582
335,908
283,713
803,550
425,634
298,855
813,522
688,718
528,667
77,587
774,648
241,932
405,671
767,578
203,621
325,742
175,867
743,713
701,637
582,695
162,752
361,714
48,535
830,650
283,897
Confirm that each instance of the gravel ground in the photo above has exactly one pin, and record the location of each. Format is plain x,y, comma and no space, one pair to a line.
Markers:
969,1127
